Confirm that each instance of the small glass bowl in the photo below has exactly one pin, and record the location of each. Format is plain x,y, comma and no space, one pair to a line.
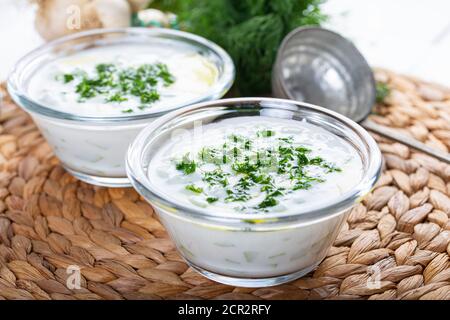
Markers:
261,249
93,148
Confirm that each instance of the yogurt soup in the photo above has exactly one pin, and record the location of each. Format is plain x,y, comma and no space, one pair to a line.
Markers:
254,165
245,165
123,79
114,81
91,93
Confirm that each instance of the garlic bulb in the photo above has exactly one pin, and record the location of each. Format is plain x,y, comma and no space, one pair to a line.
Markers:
137,5
113,13
56,18
154,15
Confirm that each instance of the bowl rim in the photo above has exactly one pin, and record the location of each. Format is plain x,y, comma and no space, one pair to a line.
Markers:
19,94
140,181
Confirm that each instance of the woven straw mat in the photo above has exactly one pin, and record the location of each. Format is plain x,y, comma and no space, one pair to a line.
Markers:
49,221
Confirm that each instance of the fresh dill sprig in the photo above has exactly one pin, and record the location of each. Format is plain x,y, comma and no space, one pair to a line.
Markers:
250,30
194,188
186,165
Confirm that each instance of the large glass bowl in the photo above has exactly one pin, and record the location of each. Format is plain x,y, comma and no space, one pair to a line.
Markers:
260,249
93,148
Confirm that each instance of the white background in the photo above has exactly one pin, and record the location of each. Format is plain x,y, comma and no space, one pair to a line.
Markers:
408,36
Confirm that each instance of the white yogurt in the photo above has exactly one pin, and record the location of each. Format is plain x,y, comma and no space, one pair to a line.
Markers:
96,149
254,250
163,172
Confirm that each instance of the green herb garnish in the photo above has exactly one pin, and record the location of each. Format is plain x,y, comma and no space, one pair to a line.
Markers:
68,77
211,199
212,155
255,170
118,84
194,188
186,165
240,191
149,96
117,97
216,177
265,133
269,201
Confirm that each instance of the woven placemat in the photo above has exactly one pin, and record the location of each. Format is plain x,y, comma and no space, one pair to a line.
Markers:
395,244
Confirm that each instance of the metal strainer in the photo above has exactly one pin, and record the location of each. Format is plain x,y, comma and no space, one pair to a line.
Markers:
321,67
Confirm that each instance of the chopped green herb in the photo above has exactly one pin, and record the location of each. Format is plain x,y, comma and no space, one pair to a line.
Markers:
211,199
261,179
117,97
305,182
240,141
322,163
316,161
194,188
256,170
117,84
216,177
240,191
85,90
244,167
269,201
186,165
265,133
302,159
163,73
331,167
302,149
105,68
302,185
212,155
127,111
149,96
68,78
289,139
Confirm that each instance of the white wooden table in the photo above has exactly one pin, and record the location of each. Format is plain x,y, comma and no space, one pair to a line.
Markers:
407,36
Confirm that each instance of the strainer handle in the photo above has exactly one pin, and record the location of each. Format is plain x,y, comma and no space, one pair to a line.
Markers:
408,141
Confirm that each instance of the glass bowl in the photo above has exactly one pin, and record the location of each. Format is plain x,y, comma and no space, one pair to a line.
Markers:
93,148
218,245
